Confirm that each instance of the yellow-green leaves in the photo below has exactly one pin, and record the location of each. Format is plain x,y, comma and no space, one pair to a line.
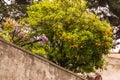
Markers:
77,37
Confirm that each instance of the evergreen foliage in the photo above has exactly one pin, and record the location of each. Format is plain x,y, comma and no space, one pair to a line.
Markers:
77,38
64,31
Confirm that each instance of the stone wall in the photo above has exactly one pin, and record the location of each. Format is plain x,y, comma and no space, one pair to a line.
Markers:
19,64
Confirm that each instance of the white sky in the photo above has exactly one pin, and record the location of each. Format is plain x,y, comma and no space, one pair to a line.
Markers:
117,48
8,1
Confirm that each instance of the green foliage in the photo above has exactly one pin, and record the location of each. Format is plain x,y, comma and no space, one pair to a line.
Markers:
78,39
19,33
12,31
7,28
115,7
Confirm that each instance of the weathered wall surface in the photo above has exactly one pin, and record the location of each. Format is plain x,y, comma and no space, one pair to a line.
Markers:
19,64
113,69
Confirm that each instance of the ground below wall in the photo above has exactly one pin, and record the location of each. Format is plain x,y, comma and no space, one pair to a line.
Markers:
19,64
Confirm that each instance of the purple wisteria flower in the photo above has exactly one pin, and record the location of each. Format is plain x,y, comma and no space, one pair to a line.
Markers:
43,38
16,29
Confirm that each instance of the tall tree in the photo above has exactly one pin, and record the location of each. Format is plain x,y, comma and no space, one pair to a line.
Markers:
77,38
108,10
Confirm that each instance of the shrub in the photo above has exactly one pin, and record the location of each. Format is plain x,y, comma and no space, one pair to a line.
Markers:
77,38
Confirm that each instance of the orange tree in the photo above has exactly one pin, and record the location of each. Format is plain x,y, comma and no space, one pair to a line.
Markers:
77,38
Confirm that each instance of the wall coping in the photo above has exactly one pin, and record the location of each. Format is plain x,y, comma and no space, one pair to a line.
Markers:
41,57
114,56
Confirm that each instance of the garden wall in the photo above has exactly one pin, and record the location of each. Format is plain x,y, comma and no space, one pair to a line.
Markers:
19,64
